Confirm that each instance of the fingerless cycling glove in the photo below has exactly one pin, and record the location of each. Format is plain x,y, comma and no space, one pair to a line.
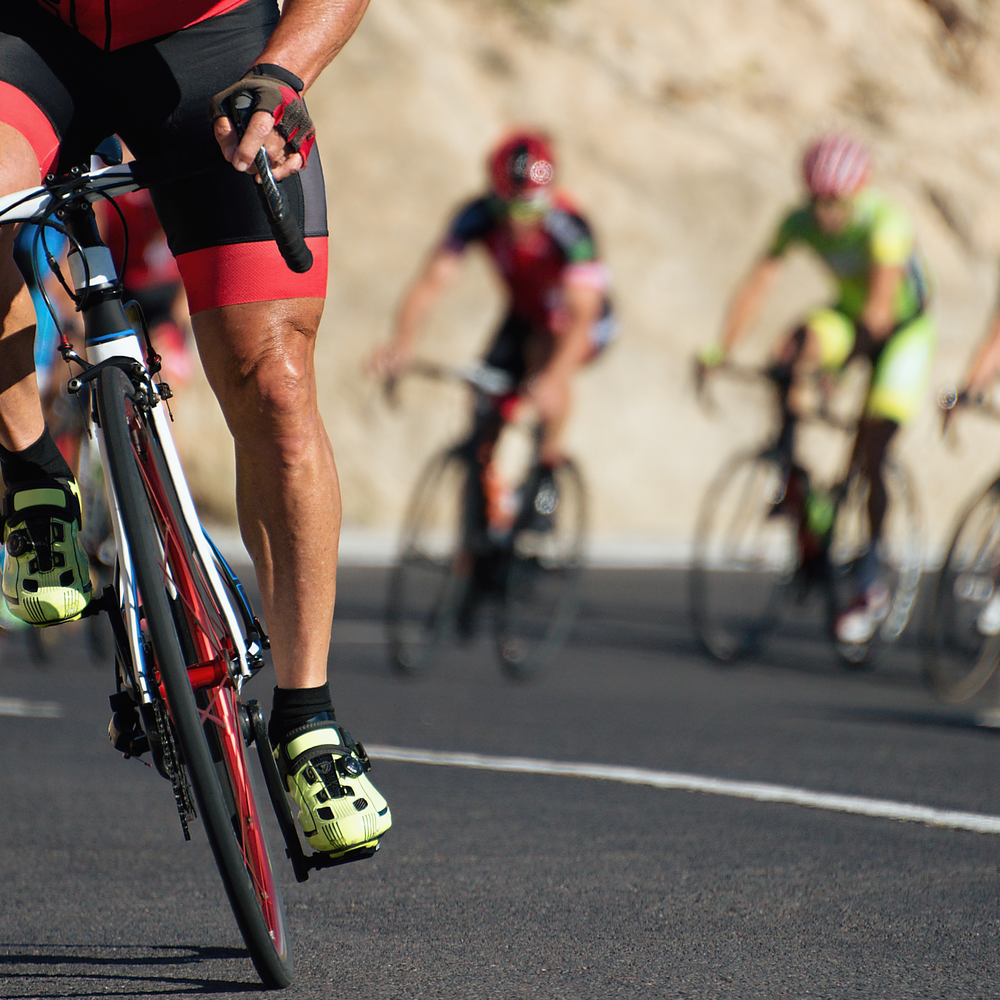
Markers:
277,91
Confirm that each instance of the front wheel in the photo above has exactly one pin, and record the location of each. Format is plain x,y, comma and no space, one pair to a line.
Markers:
745,555
192,649
540,569
963,633
433,576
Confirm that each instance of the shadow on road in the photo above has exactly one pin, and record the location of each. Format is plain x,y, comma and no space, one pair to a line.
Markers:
122,971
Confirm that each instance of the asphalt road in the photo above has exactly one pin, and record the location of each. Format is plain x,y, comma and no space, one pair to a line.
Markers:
510,884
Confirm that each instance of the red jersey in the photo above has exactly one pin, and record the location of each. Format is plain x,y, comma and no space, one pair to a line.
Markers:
536,267
113,24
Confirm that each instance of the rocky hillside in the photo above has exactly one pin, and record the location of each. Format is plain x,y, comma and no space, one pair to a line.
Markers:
680,125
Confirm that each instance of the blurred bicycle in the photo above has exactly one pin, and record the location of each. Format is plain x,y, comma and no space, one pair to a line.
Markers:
477,535
962,648
768,535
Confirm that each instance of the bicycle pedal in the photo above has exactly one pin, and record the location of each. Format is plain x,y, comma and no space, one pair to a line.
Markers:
124,729
319,860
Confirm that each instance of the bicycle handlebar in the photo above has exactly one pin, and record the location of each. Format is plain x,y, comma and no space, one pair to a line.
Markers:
477,374
950,400
36,204
285,229
779,377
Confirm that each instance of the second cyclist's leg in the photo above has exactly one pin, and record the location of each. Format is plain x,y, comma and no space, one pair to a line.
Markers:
860,621
46,576
259,360
899,381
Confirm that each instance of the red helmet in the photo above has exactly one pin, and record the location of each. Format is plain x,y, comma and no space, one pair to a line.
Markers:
836,166
521,164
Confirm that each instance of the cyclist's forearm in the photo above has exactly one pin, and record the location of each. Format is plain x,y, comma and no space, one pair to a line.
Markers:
572,347
310,34
747,302
439,273
986,366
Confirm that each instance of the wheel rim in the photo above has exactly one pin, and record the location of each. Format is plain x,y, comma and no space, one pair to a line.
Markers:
207,650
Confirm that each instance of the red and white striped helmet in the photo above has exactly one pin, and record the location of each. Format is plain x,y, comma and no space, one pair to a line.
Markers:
521,164
836,166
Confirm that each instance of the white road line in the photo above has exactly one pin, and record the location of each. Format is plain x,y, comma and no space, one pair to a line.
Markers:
30,709
760,792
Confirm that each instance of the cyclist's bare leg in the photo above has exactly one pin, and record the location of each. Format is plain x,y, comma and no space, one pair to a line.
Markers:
21,422
870,448
259,361
558,400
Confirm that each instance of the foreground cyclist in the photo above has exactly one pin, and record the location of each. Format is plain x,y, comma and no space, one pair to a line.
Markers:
558,314
151,73
879,314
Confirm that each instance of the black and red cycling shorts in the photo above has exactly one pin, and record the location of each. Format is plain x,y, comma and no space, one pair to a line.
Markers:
65,95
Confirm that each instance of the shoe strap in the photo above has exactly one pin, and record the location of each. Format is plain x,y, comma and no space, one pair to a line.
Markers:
290,765
70,511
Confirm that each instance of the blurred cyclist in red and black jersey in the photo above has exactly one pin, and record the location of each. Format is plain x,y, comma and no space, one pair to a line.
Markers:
559,315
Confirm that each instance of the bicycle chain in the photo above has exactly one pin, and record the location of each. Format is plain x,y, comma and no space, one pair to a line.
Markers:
174,770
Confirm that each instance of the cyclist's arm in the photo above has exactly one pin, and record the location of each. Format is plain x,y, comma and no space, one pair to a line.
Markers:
306,39
439,273
550,389
584,304
986,366
748,300
879,313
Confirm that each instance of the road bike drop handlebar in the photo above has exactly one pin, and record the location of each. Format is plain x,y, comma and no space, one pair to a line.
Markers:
64,204
477,375
285,228
951,400
779,377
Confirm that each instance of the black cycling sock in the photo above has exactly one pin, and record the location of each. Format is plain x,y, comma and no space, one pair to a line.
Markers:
41,460
292,707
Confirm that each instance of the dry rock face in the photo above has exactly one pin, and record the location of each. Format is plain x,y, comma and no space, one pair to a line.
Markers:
680,124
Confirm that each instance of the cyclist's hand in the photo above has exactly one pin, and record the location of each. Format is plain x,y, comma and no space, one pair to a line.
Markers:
710,357
388,362
276,118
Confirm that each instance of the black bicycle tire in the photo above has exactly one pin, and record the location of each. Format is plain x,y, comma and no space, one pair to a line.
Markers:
561,623
274,966
754,634
986,663
429,483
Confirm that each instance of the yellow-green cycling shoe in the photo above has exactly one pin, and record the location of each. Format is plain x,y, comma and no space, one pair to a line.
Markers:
325,772
46,573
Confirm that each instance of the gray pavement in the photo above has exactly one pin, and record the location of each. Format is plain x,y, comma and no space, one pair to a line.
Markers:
516,885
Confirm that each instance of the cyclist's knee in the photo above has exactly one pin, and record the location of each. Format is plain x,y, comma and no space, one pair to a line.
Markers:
18,164
791,350
18,170
259,361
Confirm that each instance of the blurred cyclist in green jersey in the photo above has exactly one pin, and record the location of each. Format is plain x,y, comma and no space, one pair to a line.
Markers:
879,313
